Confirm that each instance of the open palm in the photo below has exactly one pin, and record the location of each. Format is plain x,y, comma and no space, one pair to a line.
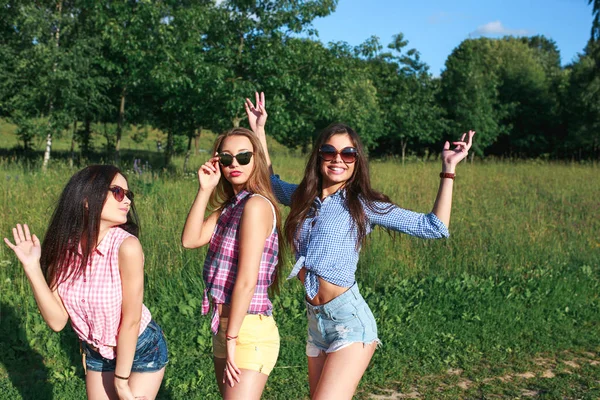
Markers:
27,247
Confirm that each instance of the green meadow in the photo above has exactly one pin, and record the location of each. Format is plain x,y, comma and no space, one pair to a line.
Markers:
507,307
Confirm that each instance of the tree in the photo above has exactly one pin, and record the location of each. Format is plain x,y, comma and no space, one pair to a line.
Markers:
583,105
406,92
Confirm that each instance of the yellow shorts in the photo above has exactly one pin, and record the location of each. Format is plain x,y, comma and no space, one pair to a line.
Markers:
257,346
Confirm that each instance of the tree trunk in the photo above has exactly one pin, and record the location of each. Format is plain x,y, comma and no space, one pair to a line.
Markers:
72,160
403,143
51,105
47,152
120,120
197,139
236,121
85,140
189,150
169,151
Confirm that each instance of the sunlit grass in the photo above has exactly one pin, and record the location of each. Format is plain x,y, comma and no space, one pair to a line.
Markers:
519,276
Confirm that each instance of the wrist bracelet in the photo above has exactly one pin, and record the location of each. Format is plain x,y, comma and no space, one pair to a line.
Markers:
448,175
227,337
122,377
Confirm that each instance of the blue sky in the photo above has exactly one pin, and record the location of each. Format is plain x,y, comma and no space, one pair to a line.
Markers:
436,27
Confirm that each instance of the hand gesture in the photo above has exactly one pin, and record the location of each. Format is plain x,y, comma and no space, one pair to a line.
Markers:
451,157
209,173
232,373
257,115
124,391
27,247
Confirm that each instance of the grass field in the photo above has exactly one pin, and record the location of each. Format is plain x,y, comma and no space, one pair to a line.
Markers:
507,307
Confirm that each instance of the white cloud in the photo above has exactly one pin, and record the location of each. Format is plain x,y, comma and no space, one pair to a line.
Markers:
496,28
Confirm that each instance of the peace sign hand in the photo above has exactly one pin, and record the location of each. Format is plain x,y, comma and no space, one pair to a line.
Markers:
27,247
257,115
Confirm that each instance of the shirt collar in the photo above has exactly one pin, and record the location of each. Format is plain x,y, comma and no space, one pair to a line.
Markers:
342,193
104,245
235,200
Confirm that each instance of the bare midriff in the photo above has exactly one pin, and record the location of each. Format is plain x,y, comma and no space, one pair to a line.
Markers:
327,290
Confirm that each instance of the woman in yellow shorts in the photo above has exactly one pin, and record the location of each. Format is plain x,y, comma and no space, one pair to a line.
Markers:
242,261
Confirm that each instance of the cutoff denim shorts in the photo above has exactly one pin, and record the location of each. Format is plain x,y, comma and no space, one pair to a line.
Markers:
337,324
150,353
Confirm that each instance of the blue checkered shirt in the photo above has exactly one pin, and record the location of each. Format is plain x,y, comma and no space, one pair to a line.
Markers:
326,246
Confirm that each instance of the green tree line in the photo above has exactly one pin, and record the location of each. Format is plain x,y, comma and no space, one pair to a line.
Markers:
68,67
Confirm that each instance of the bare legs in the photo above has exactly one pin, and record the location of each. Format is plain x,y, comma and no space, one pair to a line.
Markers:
100,385
250,387
336,375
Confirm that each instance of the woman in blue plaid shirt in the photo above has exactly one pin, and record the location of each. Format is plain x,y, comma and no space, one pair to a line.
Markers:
332,210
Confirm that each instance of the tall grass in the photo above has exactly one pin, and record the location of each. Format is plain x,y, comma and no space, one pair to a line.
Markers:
518,277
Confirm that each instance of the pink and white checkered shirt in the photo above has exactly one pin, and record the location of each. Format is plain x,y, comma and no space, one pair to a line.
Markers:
220,264
93,299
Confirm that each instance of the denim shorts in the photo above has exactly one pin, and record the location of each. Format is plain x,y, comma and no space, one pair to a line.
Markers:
340,322
150,353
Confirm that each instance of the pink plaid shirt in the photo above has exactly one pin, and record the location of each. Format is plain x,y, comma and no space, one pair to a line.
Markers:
93,299
220,265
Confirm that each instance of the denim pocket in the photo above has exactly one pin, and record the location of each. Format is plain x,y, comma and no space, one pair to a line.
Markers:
344,313
146,341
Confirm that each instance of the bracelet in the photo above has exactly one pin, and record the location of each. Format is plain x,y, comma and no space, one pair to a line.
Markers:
230,337
121,377
448,175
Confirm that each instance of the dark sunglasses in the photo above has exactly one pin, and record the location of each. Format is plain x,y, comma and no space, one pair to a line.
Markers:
242,158
119,193
329,153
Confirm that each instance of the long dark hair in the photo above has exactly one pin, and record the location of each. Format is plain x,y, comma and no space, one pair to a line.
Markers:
258,183
358,188
76,222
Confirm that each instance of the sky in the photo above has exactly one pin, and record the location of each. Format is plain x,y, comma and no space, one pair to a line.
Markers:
436,27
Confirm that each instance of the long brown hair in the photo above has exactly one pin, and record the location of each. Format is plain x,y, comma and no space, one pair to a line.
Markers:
76,221
358,188
258,183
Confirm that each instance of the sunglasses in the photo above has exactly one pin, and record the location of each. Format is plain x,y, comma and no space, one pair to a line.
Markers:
329,153
119,193
242,158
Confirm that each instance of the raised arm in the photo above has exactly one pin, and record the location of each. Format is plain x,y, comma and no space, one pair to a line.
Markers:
28,250
257,118
198,230
131,269
450,159
255,227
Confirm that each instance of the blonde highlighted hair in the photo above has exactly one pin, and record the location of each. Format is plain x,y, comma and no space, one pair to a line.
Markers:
259,182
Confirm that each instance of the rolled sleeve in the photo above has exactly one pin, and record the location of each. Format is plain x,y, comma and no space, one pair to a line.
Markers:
426,226
282,190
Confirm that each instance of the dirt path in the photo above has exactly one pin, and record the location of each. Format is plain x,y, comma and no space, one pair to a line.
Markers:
456,384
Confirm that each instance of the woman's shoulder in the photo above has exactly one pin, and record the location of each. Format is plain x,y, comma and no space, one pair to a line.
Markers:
123,240
130,247
258,204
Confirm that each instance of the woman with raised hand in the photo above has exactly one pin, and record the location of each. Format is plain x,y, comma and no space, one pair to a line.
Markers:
331,212
90,269
242,262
